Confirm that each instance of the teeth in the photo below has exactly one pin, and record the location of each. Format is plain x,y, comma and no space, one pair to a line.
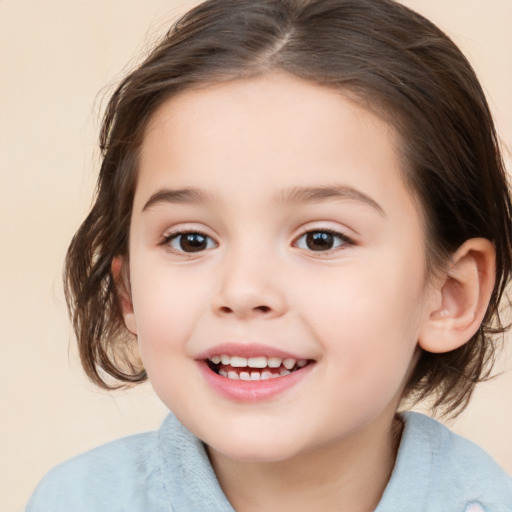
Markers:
238,362
274,362
289,363
266,375
257,362
260,362
251,362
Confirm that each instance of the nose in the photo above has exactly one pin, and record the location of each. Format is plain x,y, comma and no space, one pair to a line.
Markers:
248,288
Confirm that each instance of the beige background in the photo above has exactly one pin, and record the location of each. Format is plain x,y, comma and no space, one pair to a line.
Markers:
55,55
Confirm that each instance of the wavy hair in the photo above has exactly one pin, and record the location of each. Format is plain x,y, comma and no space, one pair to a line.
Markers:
396,63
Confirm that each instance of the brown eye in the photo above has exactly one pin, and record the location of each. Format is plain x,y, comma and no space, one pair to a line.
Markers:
190,242
319,241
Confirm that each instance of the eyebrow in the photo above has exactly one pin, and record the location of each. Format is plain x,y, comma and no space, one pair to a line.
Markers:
179,196
319,194
296,195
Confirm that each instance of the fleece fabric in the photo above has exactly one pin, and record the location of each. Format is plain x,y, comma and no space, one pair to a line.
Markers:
168,471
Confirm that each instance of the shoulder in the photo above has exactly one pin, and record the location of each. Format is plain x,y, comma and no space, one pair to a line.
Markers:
104,476
445,470
141,473
456,458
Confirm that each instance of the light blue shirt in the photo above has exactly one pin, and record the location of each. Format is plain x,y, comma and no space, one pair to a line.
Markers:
168,471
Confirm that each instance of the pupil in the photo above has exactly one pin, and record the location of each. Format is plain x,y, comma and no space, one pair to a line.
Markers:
319,241
193,242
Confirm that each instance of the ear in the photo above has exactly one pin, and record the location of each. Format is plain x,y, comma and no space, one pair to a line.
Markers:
459,299
122,280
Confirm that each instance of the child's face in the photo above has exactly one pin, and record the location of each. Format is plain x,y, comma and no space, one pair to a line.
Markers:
303,243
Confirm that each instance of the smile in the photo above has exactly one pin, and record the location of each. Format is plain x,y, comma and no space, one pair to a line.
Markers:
252,372
253,368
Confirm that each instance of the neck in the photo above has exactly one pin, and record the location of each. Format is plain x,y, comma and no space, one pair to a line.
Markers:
347,475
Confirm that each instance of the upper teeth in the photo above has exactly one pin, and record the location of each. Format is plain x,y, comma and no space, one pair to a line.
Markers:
257,362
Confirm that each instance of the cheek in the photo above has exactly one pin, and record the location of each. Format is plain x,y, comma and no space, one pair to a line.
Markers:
166,314
368,320
166,306
366,297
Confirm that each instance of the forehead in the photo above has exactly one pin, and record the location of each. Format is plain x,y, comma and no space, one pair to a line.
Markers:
266,133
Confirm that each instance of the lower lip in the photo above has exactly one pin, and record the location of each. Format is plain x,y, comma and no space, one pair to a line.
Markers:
252,390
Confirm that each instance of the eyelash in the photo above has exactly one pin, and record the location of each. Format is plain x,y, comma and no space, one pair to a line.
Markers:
175,236
344,240
169,238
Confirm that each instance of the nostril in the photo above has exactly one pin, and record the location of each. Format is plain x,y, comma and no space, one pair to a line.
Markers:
243,309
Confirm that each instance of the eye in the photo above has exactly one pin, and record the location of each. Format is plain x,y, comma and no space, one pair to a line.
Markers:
321,240
191,241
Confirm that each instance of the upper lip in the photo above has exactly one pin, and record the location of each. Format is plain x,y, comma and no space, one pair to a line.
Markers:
247,350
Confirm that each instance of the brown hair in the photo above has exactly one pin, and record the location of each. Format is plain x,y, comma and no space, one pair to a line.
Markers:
389,57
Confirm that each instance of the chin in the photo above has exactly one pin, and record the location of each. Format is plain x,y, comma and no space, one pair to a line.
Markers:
262,455
257,449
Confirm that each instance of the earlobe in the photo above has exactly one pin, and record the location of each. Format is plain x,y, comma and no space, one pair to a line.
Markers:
121,278
460,298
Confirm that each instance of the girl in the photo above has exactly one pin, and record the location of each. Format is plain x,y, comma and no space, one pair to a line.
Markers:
302,222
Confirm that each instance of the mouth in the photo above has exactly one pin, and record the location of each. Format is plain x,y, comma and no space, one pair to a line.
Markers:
255,368
251,372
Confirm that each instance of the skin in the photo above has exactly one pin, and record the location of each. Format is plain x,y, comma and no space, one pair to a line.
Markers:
356,310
